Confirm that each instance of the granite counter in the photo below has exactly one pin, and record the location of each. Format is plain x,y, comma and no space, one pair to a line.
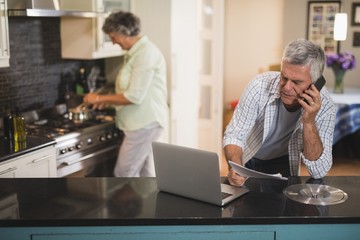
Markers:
121,206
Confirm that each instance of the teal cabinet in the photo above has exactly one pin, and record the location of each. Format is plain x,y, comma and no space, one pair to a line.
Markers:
209,232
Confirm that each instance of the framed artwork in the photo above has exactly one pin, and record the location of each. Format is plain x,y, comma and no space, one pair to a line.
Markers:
320,27
355,14
356,39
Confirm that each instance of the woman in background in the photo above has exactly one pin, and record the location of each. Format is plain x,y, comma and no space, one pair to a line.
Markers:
140,97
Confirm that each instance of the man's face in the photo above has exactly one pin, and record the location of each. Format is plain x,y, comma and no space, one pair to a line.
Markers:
294,80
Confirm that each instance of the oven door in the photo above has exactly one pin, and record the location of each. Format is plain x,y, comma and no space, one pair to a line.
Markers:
95,162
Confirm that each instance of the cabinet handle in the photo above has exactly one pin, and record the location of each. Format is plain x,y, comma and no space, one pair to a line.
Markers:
8,170
40,159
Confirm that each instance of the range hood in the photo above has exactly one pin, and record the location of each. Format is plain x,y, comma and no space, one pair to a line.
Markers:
50,8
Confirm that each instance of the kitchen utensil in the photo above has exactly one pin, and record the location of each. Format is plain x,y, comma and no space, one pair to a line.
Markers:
60,109
80,113
92,78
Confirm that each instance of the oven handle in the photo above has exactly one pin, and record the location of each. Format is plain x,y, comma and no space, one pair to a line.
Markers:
71,162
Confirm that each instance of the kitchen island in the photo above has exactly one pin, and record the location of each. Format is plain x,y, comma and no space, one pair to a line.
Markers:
133,208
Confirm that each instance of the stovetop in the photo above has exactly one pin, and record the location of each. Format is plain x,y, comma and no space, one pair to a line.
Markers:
54,126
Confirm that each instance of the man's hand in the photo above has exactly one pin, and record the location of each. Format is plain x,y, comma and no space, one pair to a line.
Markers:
234,153
235,179
312,104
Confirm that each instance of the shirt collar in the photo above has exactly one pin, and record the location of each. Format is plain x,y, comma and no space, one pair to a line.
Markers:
275,91
137,45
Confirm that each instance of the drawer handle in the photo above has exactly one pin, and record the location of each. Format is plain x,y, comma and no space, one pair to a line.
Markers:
8,170
40,159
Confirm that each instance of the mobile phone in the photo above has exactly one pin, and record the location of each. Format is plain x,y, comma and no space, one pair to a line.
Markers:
319,83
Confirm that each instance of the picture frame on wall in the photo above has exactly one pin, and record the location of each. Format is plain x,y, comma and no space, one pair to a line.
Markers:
355,14
356,39
320,27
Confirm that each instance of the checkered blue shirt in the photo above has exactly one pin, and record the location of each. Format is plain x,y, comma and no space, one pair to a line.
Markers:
253,117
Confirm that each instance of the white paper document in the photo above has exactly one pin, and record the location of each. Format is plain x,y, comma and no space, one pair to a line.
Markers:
246,172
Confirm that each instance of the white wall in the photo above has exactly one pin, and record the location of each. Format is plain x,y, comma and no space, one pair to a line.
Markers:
172,26
295,25
253,40
256,32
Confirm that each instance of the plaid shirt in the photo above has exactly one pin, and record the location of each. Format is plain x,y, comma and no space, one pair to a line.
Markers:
254,115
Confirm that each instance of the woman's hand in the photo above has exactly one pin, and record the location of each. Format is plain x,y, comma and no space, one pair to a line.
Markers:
95,100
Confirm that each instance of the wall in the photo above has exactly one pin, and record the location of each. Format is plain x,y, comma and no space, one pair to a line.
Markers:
295,20
257,31
253,40
35,65
172,26
33,79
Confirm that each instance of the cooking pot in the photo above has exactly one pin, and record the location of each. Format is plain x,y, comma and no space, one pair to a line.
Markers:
80,113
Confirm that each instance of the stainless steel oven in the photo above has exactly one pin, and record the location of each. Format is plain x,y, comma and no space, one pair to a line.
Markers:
93,150
88,148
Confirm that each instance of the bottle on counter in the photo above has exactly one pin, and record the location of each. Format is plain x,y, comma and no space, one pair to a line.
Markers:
18,146
19,127
81,85
8,120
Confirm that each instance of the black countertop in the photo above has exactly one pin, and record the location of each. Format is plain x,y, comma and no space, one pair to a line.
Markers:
9,149
136,201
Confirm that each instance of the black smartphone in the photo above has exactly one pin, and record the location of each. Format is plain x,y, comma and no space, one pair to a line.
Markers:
319,83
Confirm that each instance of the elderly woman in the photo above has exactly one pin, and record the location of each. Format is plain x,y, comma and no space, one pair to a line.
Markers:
140,97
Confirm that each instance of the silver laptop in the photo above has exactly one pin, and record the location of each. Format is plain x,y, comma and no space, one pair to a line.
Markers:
192,173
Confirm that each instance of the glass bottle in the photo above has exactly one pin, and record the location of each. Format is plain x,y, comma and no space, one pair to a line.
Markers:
8,125
81,85
19,127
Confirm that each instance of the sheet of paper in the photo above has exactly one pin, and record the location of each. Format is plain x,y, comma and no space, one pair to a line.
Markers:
245,172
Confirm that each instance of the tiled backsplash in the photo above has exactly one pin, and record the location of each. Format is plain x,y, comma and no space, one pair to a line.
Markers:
34,77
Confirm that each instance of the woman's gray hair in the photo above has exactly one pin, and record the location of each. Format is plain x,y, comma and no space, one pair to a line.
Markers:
303,52
121,22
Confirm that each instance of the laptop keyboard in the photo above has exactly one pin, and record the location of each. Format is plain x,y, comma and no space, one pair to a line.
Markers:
225,195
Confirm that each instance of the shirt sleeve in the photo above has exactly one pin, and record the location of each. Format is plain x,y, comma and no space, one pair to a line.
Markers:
325,123
245,115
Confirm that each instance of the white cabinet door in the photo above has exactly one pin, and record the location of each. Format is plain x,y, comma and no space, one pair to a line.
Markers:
40,163
8,170
4,36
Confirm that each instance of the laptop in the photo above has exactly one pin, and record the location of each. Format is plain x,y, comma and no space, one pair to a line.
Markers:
165,203
192,173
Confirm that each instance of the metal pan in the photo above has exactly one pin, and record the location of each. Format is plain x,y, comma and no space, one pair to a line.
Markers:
80,113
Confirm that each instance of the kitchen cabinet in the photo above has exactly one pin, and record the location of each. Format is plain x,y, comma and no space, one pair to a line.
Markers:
39,163
8,169
4,35
192,234
83,38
